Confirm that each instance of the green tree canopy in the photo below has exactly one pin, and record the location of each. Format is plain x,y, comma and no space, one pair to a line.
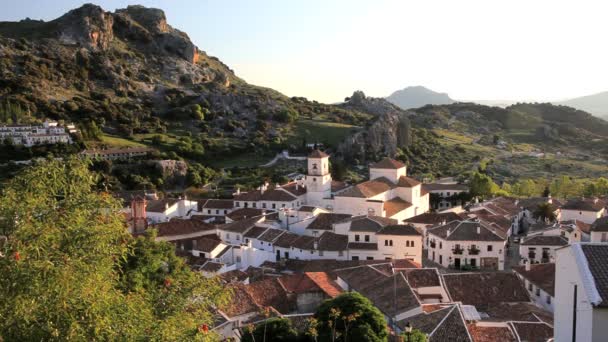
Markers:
70,271
545,212
482,185
351,317
273,329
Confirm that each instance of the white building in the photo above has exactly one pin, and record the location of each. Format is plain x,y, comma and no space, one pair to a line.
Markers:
586,210
117,153
448,192
541,248
599,230
48,133
165,209
472,243
581,293
539,280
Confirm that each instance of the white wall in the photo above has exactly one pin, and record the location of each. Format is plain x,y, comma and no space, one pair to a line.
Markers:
498,251
584,216
400,249
392,174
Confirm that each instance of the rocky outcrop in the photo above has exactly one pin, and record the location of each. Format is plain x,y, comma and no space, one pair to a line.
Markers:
173,171
384,137
88,25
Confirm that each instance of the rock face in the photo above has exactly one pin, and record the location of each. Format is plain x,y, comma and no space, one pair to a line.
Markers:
414,97
88,25
173,171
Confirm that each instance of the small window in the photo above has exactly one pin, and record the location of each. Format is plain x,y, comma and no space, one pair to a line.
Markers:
370,258
390,242
538,292
490,248
255,205
548,299
407,243
264,205
225,212
440,245
238,237
386,242
274,206
314,179
283,205
238,258
320,253
209,211
354,257
237,204
412,244
530,287
357,237
217,212
246,240
366,238
340,253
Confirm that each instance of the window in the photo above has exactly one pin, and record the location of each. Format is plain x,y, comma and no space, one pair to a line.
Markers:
264,205
357,237
538,292
217,212
407,243
314,179
274,206
370,258
386,242
390,242
354,257
237,204
228,236
440,245
255,205
320,253
548,299
490,248
530,287
448,193
238,258
225,212
209,211
366,238
314,166
246,240
238,237
283,205
412,244
604,237
340,253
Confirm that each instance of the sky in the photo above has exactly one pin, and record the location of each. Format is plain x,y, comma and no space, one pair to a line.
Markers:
325,49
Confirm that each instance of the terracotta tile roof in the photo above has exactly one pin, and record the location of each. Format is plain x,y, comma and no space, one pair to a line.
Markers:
218,204
434,218
536,332
521,311
286,240
541,275
271,235
395,205
331,265
585,204
545,240
270,293
422,277
600,225
407,182
398,229
532,203
240,226
368,188
387,163
207,243
445,187
401,264
294,189
302,242
241,302
318,154
255,232
181,227
325,282
444,324
324,221
370,246
481,333
159,206
329,241
369,223
582,226
466,231
596,255
243,213
483,289
338,185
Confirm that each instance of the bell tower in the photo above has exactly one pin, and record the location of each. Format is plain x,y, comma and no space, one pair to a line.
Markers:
318,178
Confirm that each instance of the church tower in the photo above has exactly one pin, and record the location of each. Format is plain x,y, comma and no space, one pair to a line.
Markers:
318,179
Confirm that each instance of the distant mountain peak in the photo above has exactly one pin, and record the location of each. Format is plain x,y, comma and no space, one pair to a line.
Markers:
596,104
418,96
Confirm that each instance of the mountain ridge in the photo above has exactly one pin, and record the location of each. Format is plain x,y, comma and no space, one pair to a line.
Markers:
417,96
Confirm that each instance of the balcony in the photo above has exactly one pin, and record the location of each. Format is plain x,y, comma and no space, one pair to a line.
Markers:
474,251
457,250
433,244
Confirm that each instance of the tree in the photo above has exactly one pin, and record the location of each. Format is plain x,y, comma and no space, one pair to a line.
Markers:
352,317
414,336
545,212
70,270
482,185
273,329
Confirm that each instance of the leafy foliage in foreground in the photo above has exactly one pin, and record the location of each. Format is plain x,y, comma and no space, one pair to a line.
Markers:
70,271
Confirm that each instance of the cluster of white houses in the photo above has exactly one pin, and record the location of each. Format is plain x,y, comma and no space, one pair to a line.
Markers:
50,132
362,232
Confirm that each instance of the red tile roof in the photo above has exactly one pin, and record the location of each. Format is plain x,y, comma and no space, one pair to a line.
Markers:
541,275
181,227
387,163
318,154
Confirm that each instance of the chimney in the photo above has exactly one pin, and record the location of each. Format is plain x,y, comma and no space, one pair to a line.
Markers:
595,199
527,262
315,245
478,230
443,222
448,233
297,186
166,205
238,191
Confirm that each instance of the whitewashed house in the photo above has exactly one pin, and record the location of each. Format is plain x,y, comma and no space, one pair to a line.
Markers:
447,192
541,248
599,230
166,209
539,280
581,293
585,209
471,243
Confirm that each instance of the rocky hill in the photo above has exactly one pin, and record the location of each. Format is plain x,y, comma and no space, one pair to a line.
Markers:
130,74
414,97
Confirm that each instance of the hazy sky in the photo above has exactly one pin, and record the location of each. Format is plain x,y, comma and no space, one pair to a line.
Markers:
324,49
